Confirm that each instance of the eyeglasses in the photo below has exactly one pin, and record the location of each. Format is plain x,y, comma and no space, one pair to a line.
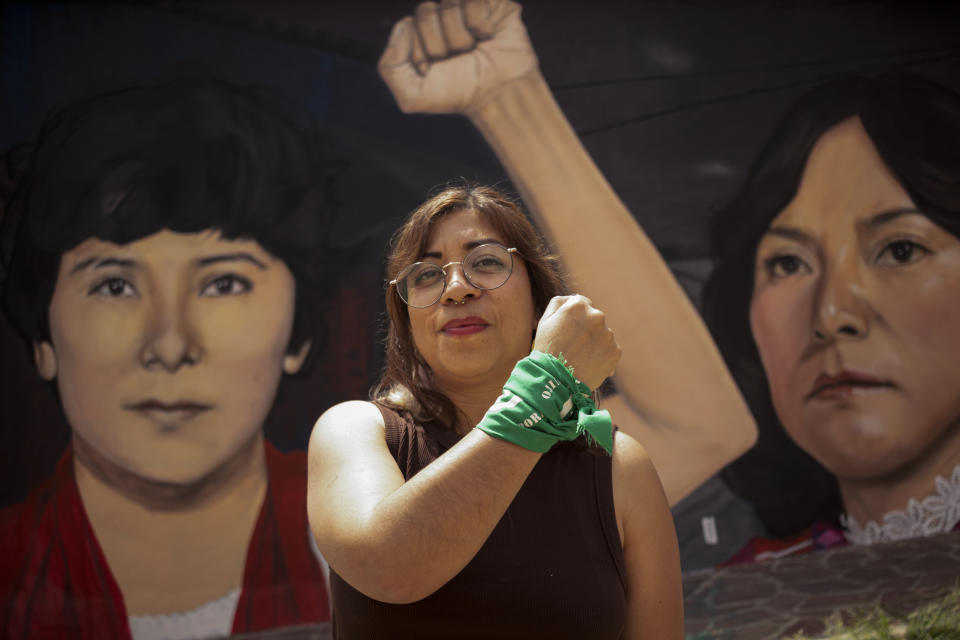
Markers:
487,266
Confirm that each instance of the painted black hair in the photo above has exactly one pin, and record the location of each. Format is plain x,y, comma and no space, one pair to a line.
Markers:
915,125
187,157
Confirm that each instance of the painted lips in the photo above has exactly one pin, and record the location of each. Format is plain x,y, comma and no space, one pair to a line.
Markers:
844,385
464,326
169,411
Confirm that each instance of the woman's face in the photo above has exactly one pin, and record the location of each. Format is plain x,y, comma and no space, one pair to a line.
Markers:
855,311
168,351
481,340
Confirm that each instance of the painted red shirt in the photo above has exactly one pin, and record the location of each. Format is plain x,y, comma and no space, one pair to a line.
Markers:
55,582
819,536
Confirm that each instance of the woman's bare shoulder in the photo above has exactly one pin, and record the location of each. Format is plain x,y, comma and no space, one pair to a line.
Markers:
353,420
635,479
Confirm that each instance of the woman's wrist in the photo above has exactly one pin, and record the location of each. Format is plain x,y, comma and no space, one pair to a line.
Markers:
543,403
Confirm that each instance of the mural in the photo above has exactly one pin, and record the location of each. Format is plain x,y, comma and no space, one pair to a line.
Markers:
195,204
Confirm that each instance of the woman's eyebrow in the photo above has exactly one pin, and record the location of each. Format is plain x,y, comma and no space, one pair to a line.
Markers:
101,263
231,257
476,243
473,244
790,233
884,217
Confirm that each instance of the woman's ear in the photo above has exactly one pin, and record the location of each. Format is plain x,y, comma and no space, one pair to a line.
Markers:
292,362
46,360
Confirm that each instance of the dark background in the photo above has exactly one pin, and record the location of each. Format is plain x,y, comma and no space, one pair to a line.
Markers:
672,99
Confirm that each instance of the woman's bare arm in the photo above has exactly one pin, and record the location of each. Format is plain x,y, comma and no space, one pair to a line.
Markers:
399,541
654,590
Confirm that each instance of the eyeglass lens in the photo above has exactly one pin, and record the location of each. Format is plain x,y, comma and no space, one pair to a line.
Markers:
485,267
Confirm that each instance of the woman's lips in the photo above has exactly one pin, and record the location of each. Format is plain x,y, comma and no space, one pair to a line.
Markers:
464,326
846,384
167,412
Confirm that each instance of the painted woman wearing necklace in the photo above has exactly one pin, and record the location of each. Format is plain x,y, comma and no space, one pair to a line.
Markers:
836,299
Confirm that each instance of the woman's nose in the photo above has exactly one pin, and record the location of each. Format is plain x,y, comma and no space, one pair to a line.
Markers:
458,287
842,310
170,340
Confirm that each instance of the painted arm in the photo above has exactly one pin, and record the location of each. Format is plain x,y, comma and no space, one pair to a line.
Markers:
676,396
399,541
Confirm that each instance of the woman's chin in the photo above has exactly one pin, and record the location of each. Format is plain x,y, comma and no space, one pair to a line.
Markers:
175,475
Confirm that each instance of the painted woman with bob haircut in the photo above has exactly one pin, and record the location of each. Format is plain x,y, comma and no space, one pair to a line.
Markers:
167,264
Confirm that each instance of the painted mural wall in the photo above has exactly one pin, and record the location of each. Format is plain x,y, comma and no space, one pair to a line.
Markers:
195,204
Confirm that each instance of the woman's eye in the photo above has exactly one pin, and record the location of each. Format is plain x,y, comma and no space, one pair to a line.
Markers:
427,277
487,263
114,288
901,252
781,266
228,285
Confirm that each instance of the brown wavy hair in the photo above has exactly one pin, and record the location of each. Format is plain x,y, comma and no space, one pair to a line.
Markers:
406,383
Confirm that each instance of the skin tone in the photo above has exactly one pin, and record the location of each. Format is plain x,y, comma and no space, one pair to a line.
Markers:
362,511
167,353
855,308
473,57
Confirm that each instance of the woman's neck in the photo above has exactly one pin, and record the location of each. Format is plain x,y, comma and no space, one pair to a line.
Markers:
869,499
471,401
172,548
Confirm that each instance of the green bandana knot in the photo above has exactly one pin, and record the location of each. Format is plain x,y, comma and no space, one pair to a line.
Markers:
542,404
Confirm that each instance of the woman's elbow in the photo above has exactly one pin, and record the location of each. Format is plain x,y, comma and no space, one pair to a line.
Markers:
380,575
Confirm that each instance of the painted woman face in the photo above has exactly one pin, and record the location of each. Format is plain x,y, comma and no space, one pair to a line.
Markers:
167,351
856,314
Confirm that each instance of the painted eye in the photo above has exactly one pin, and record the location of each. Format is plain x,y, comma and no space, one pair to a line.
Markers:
228,285
901,252
782,266
114,288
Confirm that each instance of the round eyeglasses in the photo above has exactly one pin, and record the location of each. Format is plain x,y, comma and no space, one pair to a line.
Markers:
487,266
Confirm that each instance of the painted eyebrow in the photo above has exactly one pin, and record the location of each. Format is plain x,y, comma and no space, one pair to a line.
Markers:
887,216
102,262
878,220
790,233
232,257
473,244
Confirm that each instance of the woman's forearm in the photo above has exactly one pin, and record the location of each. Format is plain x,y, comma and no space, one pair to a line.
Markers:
399,541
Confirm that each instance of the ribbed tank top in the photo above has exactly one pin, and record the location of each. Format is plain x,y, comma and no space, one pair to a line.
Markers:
552,568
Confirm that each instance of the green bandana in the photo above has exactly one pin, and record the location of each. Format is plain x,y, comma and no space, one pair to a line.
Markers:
542,404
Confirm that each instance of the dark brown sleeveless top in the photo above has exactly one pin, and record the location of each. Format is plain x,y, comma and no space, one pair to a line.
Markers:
552,568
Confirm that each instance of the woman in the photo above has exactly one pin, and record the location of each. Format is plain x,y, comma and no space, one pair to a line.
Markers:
435,528
674,393
163,265
474,58
836,301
